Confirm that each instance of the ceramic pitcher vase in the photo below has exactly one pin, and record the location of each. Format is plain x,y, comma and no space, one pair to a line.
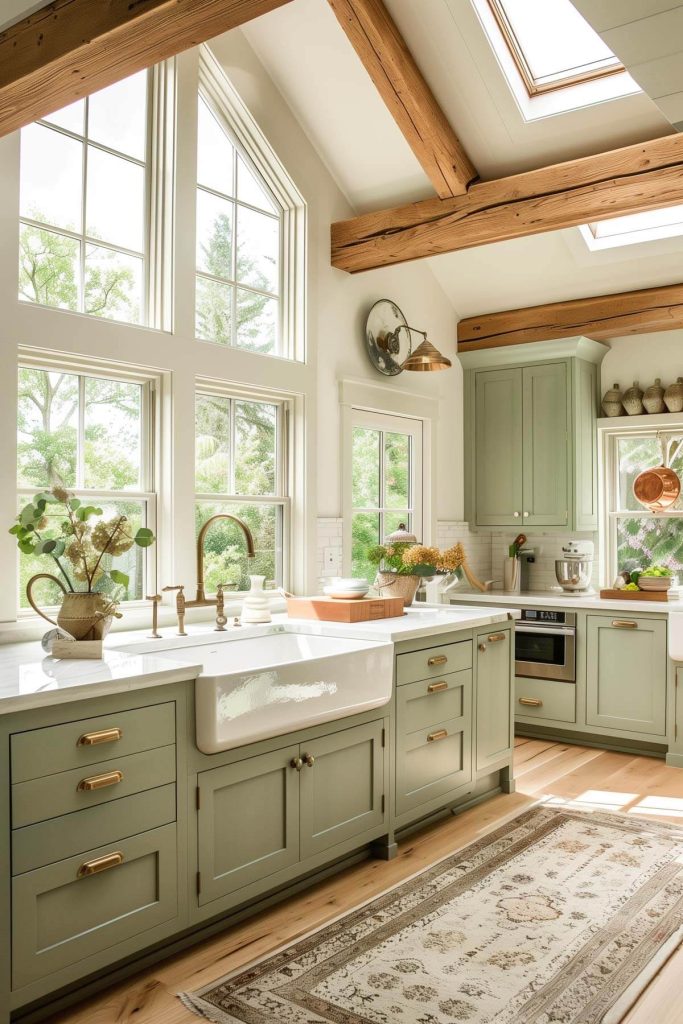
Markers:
84,616
256,607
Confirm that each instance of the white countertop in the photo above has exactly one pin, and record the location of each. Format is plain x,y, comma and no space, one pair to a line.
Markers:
553,599
30,679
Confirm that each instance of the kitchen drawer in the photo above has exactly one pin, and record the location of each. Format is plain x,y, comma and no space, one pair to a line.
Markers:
48,841
62,914
57,748
553,700
433,662
430,768
59,794
421,704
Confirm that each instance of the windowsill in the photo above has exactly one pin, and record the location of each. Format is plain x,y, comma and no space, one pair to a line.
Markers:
28,627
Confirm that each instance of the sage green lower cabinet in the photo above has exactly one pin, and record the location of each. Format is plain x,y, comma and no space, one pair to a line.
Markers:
432,761
247,822
342,787
74,908
494,699
626,674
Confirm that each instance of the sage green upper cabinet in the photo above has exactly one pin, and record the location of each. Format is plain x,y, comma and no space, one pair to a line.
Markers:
530,435
498,433
626,674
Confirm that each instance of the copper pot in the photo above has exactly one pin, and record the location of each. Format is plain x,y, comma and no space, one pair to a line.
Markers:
657,488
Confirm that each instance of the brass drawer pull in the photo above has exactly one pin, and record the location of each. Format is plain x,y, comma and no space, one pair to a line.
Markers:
89,739
100,781
439,659
531,702
93,867
441,734
495,638
624,624
437,687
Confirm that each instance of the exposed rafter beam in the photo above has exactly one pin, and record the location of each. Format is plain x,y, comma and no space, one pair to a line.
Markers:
73,47
600,318
647,176
380,46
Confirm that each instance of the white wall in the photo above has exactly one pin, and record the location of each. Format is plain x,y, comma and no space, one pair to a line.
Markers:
642,358
338,302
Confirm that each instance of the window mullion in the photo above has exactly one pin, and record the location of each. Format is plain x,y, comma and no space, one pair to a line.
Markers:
232,447
80,449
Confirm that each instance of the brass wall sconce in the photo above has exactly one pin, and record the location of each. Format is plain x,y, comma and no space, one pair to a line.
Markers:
388,341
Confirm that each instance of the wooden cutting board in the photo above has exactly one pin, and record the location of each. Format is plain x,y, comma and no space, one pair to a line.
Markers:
329,609
635,595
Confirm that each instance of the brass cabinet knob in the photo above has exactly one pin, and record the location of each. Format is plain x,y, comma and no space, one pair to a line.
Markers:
482,647
297,763
309,760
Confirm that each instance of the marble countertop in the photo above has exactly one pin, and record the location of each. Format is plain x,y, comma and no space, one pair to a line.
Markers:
131,661
553,599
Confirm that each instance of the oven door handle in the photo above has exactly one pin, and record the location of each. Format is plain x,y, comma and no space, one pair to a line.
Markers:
555,630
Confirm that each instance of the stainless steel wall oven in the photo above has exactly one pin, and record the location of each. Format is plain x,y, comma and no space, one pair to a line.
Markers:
545,645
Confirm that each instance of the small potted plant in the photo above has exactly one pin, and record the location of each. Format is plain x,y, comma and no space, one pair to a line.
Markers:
402,564
81,548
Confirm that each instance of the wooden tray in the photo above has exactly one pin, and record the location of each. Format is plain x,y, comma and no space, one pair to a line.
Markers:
635,595
329,609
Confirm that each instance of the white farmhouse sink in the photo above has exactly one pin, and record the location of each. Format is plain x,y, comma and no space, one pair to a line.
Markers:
676,635
265,686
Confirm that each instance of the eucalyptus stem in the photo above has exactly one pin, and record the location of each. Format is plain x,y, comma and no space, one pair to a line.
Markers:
59,566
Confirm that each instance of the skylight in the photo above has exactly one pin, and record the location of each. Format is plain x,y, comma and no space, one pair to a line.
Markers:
637,227
552,44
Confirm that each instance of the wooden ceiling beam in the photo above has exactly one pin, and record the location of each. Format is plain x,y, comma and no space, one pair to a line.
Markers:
601,317
72,48
380,46
647,176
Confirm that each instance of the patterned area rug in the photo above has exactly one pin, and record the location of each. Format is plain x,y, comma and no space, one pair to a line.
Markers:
558,917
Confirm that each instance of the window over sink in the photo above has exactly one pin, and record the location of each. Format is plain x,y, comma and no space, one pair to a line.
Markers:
635,537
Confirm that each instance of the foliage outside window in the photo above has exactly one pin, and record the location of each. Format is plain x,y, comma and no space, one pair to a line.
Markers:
639,538
552,44
385,484
85,434
239,470
239,228
83,205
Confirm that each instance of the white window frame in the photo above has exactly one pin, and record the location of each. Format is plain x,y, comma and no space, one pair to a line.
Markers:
149,439
384,422
253,147
158,167
610,436
282,497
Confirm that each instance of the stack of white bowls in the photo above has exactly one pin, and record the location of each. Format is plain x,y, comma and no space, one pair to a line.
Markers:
347,589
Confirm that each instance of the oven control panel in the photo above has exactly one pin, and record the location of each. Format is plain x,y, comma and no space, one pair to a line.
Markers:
547,616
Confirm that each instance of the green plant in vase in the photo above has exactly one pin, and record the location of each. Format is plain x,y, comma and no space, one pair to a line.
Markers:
80,545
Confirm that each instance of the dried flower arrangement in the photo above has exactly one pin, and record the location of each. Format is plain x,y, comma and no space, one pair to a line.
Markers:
79,545
407,559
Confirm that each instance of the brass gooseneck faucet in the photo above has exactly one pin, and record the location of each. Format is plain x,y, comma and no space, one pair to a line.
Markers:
201,600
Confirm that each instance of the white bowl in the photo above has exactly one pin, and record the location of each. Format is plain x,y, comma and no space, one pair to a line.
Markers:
345,594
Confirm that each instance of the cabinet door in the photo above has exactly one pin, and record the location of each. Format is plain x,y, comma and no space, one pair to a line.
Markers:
494,698
546,440
498,447
248,822
342,787
626,674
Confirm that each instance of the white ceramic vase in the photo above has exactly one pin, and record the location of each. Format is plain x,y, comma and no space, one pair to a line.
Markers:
256,607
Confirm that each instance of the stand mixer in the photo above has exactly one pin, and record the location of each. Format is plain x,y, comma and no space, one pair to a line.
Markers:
574,569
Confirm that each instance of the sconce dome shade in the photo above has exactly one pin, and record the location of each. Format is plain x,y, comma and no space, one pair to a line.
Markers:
426,358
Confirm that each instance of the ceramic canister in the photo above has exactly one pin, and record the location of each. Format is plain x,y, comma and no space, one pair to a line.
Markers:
673,396
653,399
611,402
633,400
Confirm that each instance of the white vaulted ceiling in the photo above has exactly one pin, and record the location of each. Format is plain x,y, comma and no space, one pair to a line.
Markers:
647,36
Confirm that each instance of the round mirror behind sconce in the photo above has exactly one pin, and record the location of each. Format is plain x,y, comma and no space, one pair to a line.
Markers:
387,347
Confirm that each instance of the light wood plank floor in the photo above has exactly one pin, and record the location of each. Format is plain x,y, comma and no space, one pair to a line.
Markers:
587,778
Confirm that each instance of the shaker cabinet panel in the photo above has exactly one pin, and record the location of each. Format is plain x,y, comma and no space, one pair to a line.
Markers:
342,787
248,821
626,674
498,444
494,698
545,452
